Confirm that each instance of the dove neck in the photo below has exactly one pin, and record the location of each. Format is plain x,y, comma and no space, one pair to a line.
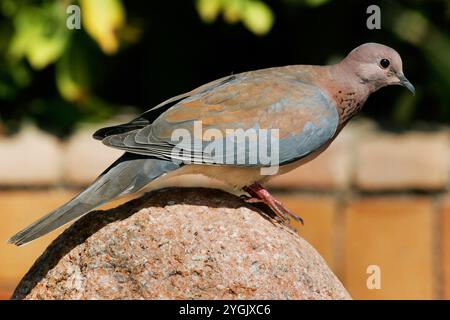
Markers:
351,72
346,89
345,77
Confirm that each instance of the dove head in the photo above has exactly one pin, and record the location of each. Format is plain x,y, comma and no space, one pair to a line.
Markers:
376,66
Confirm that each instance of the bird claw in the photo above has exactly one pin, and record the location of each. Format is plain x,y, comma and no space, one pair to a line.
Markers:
259,194
248,199
287,212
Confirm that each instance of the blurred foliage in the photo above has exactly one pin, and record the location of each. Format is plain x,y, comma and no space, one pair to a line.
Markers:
254,14
34,36
141,52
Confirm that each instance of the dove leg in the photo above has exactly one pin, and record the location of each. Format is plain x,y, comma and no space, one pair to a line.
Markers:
259,194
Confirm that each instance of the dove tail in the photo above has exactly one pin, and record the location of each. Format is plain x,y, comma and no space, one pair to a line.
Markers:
128,174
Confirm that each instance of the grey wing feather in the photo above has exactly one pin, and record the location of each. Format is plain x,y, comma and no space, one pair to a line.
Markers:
292,147
128,174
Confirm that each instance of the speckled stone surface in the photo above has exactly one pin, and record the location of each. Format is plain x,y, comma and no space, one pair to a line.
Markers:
180,244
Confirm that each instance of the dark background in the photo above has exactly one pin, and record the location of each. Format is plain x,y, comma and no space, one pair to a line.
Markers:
173,50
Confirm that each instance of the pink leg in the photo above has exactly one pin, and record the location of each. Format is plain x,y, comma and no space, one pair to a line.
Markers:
258,192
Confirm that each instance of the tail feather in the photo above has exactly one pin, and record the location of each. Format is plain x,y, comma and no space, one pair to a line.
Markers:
128,174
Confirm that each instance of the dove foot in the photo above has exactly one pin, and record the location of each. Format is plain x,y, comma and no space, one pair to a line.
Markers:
248,199
259,194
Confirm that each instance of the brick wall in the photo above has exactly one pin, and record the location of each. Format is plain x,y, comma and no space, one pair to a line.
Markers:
373,198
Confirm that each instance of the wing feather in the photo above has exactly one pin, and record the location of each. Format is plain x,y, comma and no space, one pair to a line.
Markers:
304,116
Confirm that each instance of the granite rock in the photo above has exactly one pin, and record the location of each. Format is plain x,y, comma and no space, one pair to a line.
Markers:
179,243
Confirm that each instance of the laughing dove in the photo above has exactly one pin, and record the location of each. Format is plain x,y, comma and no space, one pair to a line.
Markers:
306,106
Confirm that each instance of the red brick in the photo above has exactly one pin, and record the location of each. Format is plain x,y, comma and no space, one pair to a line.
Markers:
445,232
5,294
396,235
405,161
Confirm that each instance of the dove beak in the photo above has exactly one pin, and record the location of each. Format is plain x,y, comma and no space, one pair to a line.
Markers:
405,82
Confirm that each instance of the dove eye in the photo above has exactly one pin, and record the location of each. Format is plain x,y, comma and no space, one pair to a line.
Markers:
384,63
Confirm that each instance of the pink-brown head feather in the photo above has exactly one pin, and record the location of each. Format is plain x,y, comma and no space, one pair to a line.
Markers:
377,66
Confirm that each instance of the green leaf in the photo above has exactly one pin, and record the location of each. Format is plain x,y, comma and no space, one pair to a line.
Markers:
257,17
411,26
8,7
40,35
208,9
233,10
102,20
315,3
72,76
